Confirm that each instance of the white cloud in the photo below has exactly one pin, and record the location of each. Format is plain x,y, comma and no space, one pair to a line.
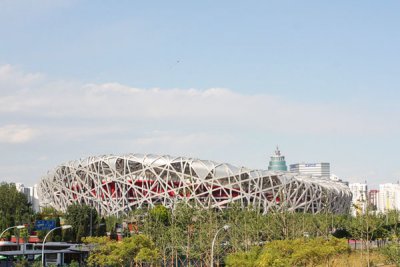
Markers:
16,134
183,140
65,120
11,79
213,108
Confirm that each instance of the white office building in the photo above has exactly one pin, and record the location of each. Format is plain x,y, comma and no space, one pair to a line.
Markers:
388,197
359,200
321,169
31,193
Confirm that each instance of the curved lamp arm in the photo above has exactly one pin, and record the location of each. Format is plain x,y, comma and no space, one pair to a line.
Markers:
44,240
9,228
225,227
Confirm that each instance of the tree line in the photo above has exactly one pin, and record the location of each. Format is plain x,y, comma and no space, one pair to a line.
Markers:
184,235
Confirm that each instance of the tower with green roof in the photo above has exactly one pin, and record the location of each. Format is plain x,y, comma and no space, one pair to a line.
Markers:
277,162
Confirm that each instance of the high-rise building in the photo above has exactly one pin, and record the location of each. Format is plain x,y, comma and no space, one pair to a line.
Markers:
31,194
315,169
389,197
373,196
277,162
359,200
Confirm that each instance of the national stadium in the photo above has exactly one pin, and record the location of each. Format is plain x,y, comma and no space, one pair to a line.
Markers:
116,184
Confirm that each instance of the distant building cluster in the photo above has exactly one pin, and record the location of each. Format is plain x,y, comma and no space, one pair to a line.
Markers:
360,197
388,197
31,194
317,170
385,199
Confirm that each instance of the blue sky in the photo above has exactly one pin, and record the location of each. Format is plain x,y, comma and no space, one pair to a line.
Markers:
220,80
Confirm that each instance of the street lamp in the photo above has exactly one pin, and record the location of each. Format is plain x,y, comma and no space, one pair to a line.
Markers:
44,240
17,226
225,227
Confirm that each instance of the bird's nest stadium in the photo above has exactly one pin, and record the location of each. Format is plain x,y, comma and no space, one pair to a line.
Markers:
117,184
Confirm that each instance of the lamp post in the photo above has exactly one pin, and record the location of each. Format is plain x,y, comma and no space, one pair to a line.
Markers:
44,240
225,227
17,226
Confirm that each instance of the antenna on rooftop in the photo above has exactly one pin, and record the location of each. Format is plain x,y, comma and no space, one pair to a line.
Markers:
277,152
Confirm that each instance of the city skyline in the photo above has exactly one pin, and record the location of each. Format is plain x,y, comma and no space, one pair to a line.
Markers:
223,81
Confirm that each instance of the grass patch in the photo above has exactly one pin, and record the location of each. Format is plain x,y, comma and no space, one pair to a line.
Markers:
359,259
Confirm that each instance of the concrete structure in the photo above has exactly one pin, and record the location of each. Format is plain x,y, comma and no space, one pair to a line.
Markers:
56,253
31,193
359,200
373,197
277,162
315,169
116,184
336,178
389,197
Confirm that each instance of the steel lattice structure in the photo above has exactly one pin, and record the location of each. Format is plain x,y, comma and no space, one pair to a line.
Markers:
116,184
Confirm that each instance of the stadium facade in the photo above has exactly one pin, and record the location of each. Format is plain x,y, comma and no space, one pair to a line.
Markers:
117,184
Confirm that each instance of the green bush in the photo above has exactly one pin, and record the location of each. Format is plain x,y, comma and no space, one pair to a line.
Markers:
243,258
298,252
392,252
301,252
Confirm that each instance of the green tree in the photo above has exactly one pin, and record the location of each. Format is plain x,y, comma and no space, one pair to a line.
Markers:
24,234
102,251
57,234
41,234
147,255
14,207
243,258
157,226
111,222
102,228
49,213
83,220
106,252
137,247
160,214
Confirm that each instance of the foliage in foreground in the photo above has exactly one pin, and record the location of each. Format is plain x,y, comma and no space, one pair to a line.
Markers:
14,207
392,252
298,252
135,249
243,258
83,218
183,235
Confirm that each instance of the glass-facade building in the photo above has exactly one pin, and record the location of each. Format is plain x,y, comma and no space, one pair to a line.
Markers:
277,162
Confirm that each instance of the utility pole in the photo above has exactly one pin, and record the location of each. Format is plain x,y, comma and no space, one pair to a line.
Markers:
91,217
